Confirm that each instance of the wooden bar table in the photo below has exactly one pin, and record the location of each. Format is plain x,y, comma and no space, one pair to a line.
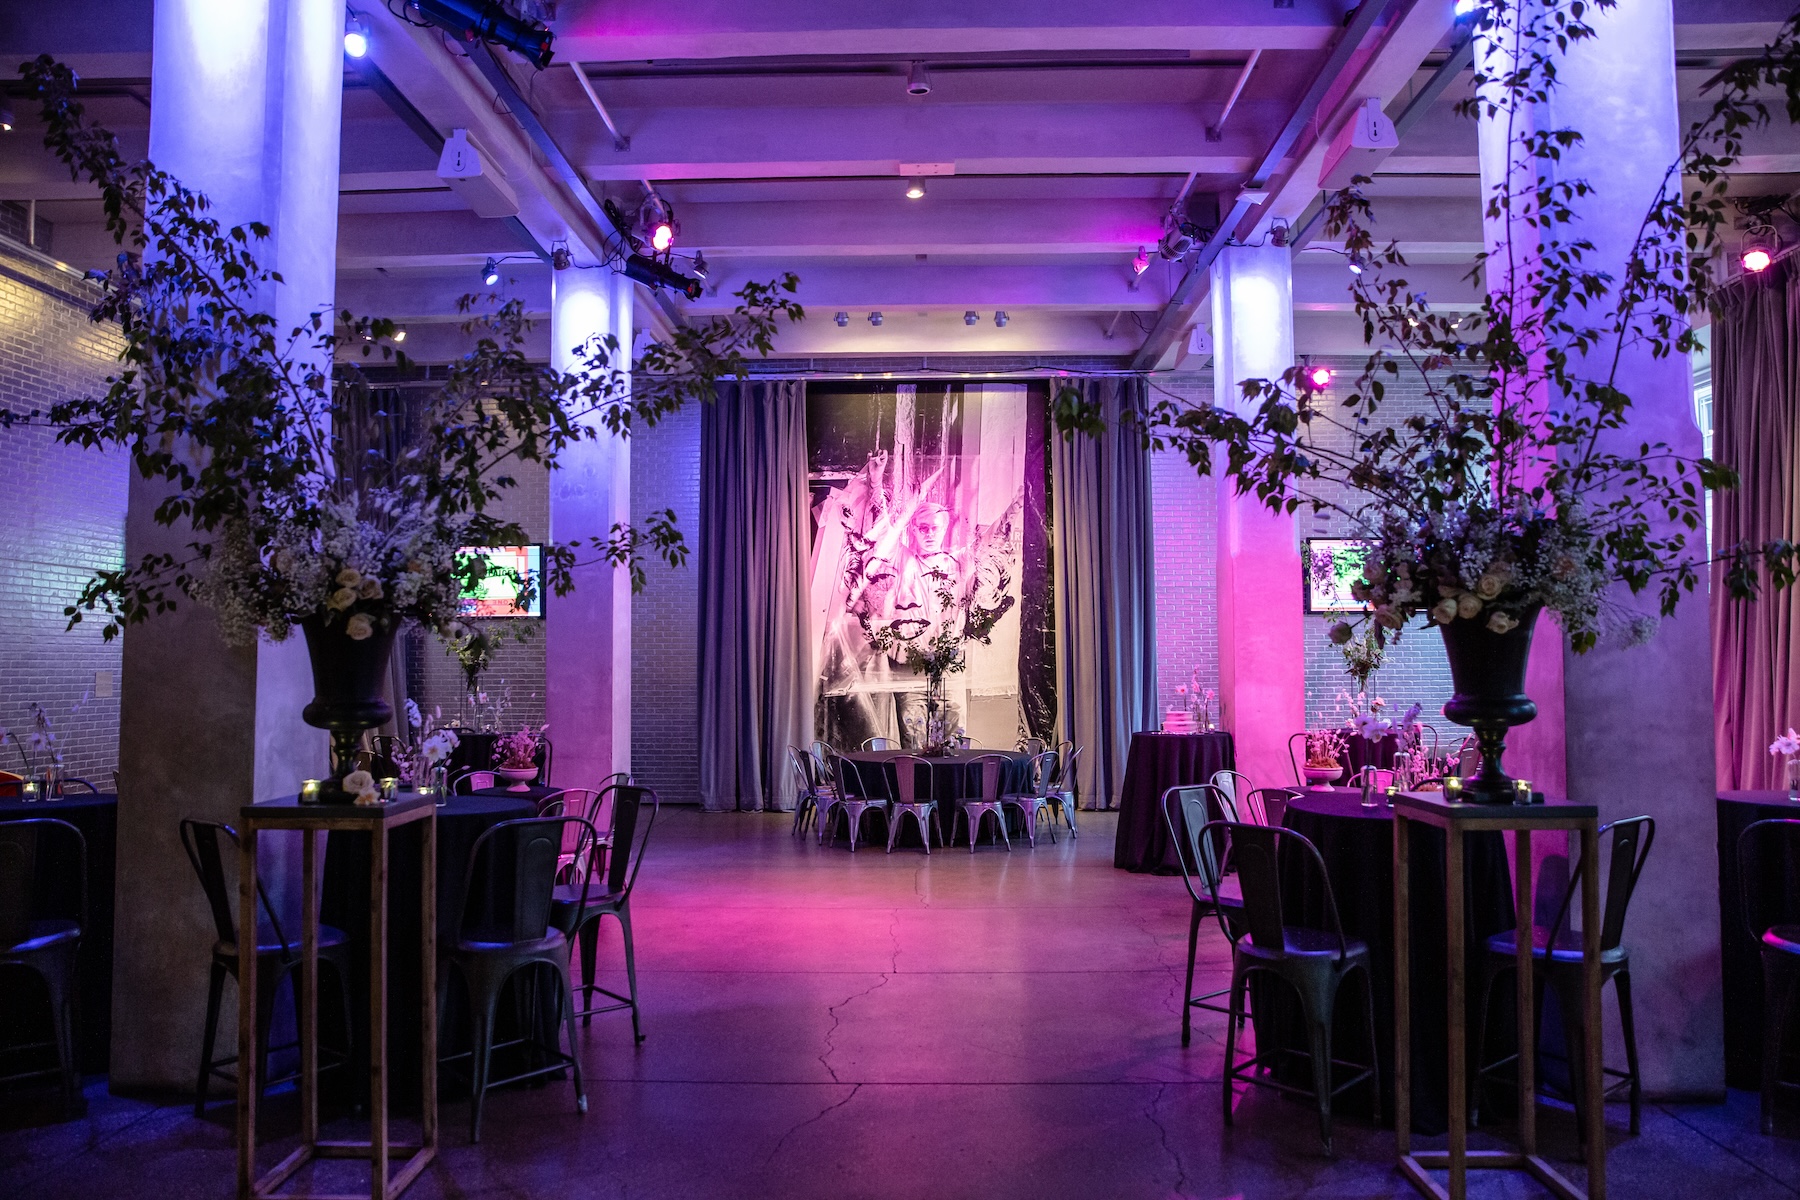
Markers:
378,822
1522,820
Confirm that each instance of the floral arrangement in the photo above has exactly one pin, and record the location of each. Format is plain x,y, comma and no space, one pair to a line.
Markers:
430,745
1324,748
1787,745
518,751
39,740
937,727
361,787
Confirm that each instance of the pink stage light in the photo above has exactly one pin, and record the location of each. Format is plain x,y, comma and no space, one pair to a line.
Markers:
662,236
1319,377
1756,259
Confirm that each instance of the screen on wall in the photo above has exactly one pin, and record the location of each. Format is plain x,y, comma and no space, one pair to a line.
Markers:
497,594
1331,566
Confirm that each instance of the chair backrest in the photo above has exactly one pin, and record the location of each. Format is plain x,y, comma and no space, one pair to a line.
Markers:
1033,746
22,854
204,843
1297,756
1068,758
1468,757
805,767
823,750
1626,851
534,845
1042,773
543,757
877,743
848,774
1186,813
1757,851
586,803
1265,806
906,778
73,782
1257,851
1233,783
1380,778
630,834
472,781
992,768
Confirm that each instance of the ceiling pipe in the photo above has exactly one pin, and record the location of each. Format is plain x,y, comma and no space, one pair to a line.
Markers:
528,120
621,141
1173,318
1216,131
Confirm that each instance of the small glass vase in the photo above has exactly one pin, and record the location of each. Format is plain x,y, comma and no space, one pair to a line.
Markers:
1791,770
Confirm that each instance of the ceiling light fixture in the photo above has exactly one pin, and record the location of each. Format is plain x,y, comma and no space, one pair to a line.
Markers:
915,189
399,333
842,319
1355,262
1759,250
6,117
560,258
918,83
490,272
486,21
1466,8
875,318
1141,263
700,267
971,317
356,37
1319,377
1000,319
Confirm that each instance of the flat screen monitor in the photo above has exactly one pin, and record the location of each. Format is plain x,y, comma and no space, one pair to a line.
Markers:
497,594
1331,565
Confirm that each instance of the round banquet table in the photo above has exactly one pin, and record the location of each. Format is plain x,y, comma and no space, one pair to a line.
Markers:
1156,763
1357,845
345,903
1776,883
97,817
953,779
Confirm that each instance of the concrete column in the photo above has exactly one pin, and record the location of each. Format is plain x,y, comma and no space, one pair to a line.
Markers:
247,105
1639,720
1262,659
587,675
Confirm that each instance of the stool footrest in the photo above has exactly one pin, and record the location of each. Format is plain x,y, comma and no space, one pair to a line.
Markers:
1415,1167
412,1160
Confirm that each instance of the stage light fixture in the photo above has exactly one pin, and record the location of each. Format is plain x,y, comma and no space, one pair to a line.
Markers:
1000,319
655,273
875,318
662,236
560,258
1141,263
842,319
356,37
6,117
1319,377
1759,250
399,333
918,83
486,21
971,317
1355,262
1465,8
490,272
915,189
700,267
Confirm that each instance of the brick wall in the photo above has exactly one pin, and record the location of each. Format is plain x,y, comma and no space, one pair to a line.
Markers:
1184,506
1414,671
64,517
665,616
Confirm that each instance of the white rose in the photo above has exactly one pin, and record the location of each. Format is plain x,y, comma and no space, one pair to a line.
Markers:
1389,617
1489,586
349,577
1499,622
357,782
341,599
1341,633
1444,611
370,589
1468,604
360,627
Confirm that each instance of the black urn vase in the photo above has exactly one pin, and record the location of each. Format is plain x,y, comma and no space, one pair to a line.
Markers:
348,679
1488,671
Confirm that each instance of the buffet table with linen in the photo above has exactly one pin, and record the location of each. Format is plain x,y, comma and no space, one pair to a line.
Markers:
1357,845
1156,763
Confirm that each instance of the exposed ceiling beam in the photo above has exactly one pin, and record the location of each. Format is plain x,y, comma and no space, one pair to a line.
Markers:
1417,27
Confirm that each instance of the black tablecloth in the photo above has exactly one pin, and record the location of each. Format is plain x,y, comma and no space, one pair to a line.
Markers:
345,904
1777,885
97,816
1158,762
1357,845
954,778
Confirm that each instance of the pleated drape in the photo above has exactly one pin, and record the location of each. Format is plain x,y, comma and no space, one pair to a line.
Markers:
1755,369
756,687
1105,587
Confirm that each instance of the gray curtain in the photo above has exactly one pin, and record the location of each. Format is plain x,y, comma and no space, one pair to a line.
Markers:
1755,369
1105,585
756,679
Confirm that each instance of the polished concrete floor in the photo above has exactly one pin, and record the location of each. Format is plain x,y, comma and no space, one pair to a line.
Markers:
821,1025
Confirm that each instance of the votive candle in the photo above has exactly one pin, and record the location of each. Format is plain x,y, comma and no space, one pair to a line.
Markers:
1453,788
309,791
